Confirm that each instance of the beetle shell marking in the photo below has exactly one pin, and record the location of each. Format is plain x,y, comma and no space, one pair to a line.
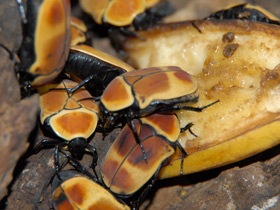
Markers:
66,115
82,193
147,85
123,12
52,41
124,170
116,12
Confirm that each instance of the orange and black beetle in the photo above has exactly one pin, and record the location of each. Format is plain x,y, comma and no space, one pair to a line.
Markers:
141,13
245,12
94,68
124,170
139,93
71,117
143,92
46,43
73,191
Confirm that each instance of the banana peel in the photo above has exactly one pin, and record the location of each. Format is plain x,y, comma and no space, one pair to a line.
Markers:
234,61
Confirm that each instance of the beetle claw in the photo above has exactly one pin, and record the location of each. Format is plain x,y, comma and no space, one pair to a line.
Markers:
188,127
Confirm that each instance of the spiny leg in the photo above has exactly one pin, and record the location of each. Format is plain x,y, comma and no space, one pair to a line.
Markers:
196,26
188,127
51,142
97,98
82,83
131,125
13,56
58,150
77,87
189,108
94,154
77,165
97,79
184,154
21,12
144,193
46,143
136,204
56,160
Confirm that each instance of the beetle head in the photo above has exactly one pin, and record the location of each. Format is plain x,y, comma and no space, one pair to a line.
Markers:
108,122
77,147
108,119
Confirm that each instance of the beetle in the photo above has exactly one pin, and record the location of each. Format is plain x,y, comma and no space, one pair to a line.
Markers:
93,67
140,93
73,191
72,118
245,12
46,42
124,170
119,13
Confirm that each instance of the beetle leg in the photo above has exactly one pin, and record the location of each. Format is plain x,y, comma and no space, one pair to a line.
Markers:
21,11
78,86
136,136
77,165
184,154
100,129
94,154
82,83
56,160
45,143
124,31
188,127
66,89
189,108
196,27
142,196
97,98
69,90
12,55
